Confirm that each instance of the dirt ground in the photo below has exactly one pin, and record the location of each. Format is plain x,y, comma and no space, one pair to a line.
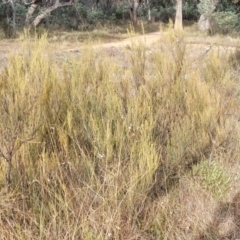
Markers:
200,44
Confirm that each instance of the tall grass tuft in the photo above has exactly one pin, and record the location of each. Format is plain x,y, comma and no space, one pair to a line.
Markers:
93,147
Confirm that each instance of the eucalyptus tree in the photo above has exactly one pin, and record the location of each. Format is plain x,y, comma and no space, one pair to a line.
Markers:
178,19
10,20
47,6
148,4
133,6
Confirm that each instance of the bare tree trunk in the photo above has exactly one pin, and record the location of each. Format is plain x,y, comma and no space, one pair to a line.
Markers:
45,13
149,11
30,12
133,4
13,16
178,19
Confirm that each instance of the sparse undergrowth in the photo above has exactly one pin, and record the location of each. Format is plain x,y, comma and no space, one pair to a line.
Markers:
105,150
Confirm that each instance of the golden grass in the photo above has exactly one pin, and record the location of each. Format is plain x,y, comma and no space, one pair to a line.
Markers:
99,151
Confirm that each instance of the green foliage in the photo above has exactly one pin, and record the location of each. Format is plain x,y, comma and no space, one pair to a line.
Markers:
155,13
228,5
227,21
95,16
166,13
85,15
206,7
81,10
142,11
190,11
122,13
212,176
69,18
6,22
224,20
21,12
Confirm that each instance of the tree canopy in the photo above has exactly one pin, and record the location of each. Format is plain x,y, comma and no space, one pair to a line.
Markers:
73,14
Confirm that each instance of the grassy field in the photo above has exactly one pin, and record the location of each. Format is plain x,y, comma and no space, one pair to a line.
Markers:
126,143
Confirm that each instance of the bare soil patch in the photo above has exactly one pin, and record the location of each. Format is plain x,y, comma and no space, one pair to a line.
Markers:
196,45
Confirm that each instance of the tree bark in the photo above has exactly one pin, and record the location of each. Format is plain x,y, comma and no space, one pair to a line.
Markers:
43,14
133,5
178,19
13,16
29,15
149,11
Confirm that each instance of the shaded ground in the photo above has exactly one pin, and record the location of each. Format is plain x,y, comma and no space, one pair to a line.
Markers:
225,222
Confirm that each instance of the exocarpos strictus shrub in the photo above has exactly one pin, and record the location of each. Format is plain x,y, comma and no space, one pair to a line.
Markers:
91,147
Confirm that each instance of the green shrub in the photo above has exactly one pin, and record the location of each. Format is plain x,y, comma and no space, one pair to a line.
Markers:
206,7
20,15
95,16
212,177
190,12
166,13
226,21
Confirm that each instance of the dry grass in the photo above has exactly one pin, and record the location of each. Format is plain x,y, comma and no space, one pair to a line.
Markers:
109,148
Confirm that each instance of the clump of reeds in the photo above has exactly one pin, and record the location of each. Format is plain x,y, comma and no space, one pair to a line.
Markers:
92,147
